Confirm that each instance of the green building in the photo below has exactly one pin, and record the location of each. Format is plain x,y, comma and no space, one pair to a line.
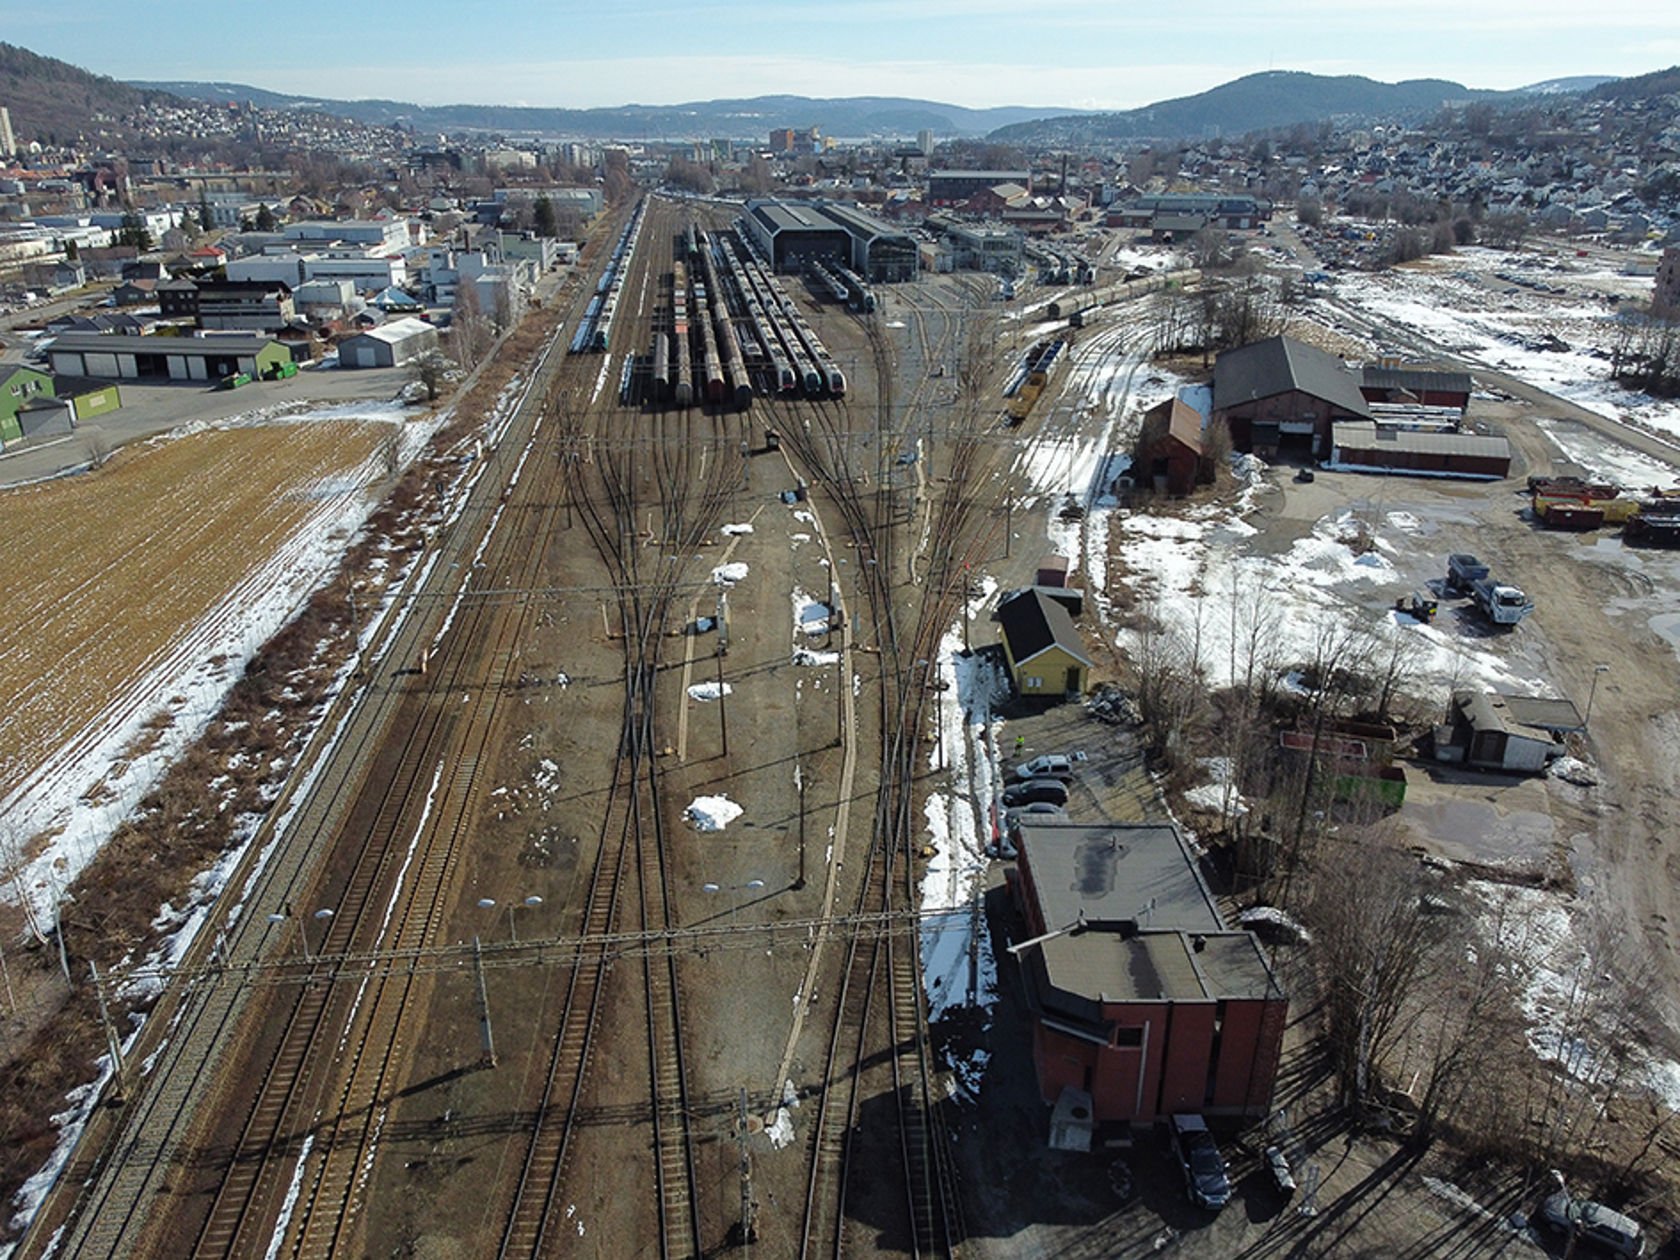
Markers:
19,386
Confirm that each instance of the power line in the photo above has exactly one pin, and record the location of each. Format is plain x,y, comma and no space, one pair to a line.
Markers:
464,957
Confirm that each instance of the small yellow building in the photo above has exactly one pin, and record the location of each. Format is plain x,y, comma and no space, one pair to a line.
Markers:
1046,657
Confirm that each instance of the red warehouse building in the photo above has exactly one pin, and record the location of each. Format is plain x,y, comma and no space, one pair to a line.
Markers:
1142,999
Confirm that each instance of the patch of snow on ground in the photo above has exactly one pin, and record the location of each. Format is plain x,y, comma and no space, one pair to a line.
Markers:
712,813
1562,987
1546,339
810,616
735,530
1220,606
957,965
709,690
1600,457
728,574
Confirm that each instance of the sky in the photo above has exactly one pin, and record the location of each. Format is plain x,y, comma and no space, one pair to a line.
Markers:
964,52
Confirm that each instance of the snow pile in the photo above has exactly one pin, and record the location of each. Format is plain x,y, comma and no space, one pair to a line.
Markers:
810,657
780,1128
712,813
736,530
709,690
1272,917
1221,795
1573,770
727,575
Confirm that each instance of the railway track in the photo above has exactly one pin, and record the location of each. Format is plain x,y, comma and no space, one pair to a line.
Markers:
875,968
688,467
207,1020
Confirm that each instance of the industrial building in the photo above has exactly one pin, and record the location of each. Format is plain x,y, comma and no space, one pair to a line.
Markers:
1188,213
948,188
974,247
1487,730
244,305
1281,392
1361,446
793,234
1398,384
1143,1003
389,345
112,356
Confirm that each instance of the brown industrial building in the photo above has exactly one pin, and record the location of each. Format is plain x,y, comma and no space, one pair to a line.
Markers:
1171,459
1144,1004
1361,446
1281,393
1425,387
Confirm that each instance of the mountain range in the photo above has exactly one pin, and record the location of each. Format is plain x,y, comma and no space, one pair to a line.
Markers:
1261,102
54,101
853,117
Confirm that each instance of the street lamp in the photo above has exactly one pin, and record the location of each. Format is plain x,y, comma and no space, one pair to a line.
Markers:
532,902
1593,694
751,885
288,915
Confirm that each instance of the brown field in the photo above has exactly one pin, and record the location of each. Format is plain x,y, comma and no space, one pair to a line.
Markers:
106,571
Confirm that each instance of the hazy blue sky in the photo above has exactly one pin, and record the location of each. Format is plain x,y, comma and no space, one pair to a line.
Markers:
968,52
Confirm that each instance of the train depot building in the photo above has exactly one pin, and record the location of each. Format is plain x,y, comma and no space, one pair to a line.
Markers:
1143,1004
792,234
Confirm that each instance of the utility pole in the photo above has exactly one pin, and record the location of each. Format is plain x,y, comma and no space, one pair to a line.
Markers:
799,781
1008,522
487,1039
723,701
113,1043
749,1209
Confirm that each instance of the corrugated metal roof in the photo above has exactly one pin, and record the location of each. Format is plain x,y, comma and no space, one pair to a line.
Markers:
1417,379
1363,435
121,343
1277,365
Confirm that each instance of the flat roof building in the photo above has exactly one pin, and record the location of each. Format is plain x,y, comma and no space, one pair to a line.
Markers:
1142,999
114,356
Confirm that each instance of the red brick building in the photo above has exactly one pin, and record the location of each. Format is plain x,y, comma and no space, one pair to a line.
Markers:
1170,453
1281,393
1141,998
1424,387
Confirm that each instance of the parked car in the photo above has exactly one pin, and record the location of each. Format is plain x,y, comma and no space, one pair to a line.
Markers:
1035,791
1038,811
1593,1223
1049,766
1205,1178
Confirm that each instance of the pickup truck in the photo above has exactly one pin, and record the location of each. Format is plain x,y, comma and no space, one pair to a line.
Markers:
1464,571
1502,604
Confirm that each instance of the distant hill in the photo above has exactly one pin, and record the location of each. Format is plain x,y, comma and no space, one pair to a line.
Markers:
55,102
1256,102
754,118
1562,87
1640,87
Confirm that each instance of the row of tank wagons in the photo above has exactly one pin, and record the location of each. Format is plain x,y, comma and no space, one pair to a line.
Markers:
796,356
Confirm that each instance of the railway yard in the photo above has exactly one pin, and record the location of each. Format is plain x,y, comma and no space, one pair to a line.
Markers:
595,919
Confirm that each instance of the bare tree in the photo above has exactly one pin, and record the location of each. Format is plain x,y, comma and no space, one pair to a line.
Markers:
430,370
470,330
1367,916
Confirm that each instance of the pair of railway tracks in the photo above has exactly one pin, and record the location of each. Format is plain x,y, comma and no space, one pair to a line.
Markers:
875,968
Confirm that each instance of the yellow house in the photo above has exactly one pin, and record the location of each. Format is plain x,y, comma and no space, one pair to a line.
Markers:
1045,655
